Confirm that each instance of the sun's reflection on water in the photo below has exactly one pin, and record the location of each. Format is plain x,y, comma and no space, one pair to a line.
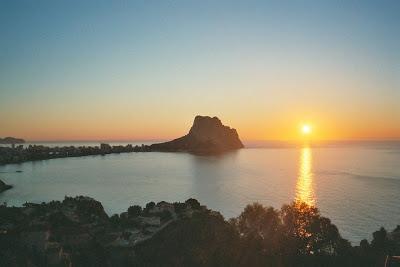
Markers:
304,186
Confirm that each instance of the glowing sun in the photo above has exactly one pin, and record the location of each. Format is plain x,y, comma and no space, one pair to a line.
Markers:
306,129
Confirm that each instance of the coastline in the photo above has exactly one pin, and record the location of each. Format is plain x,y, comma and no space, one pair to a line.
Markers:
20,154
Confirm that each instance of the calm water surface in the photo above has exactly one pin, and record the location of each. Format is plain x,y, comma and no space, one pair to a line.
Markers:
357,187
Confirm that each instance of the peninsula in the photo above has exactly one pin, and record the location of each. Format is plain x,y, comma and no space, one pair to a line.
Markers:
207,136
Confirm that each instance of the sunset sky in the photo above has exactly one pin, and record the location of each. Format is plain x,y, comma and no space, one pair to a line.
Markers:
125,70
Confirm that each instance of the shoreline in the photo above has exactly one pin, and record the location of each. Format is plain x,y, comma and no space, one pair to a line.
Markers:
19,154
38,152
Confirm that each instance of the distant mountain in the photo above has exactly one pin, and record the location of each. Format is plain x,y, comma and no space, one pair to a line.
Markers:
11,140
207,136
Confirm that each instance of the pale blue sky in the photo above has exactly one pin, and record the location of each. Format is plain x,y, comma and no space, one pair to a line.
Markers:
259,65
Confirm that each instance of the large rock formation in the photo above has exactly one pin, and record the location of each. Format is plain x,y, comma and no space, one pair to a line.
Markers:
207,136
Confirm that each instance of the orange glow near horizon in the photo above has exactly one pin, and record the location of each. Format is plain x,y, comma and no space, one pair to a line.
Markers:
141,79
98,124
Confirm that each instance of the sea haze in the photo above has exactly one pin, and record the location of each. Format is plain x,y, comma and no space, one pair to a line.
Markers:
355,184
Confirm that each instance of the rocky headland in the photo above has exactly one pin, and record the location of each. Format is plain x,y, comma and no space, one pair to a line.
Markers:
206,136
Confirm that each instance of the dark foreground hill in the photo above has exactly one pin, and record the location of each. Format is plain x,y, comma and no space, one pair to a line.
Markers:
77,232
206,136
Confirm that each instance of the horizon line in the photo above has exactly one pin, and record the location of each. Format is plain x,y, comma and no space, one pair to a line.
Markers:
244,140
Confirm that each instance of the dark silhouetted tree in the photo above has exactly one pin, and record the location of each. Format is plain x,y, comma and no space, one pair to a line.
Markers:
194,204
134,211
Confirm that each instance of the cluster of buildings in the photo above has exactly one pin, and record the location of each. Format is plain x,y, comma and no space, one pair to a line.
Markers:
19,153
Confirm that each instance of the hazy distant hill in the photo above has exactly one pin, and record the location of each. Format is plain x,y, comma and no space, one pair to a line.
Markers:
11,140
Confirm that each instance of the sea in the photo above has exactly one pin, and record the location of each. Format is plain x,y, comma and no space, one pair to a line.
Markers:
355,184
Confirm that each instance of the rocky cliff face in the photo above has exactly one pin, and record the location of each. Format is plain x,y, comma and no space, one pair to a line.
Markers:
207,135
